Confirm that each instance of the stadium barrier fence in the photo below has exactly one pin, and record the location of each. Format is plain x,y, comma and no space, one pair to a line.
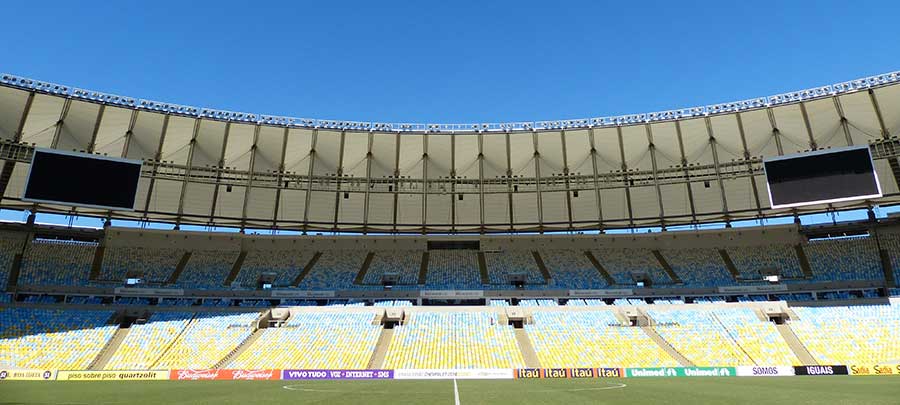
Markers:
448,374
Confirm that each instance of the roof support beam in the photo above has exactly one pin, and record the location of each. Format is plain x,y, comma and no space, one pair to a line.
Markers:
481,180
156,159
687,173
249,184
562,140
187,172
809,132
452,184
775,132
625,177
509,183
659,197
885,134
59,123
396,180
596,178
129,133
20,127
280,177
425,182
93,143
338,183
219,165
537,181
715,153
756,200
369,157
844,125
309,179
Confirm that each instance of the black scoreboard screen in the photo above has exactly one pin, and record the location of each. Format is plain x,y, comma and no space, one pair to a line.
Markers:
82,179
819,177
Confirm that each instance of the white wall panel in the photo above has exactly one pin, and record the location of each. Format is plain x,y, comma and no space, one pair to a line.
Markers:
177,143
198,198
145,137
825,123
269,146
166,194
356,146
238,146
636,145
794,137
328,150
554,207
758,133
614,204
728,138
609,158
321,207
261,203
695,137
675,199
77,128
231,204
861,117
111,134
439,209
210,140
668,151
578,153
495,163
290,207
584,207
40,124
299,143
12,105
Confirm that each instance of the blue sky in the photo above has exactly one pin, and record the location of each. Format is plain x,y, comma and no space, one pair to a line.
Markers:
450,62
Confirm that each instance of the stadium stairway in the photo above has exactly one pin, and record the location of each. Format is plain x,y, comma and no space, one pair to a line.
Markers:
649,331
306,269
175,339
109,350
666,267
796,346
381,349
527,349
482,268
361,276
97,264
423,269
804,261
729,264
541,266
248,342
173,278
600,269
235,269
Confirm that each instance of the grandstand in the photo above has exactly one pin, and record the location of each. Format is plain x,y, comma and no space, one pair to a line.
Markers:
529,268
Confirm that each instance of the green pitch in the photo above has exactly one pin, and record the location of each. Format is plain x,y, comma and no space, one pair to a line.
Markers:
757,390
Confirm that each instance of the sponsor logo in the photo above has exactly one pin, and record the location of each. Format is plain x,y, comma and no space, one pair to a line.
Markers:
528,373
876,369
555,373
764,371
27,374
112,375
682,372
582,373
462,374
336,374
821,370
255,374
610,373
194,375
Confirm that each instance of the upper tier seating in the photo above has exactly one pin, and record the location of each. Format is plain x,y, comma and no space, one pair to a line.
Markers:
453,269
863,334
621,262
10,244
207,269
52,262
286,264
335,269
207,340
405,263
501,265
844,259
453,340
592,339
571,269
144,344
314,341
154,264
698,267
749,260
52,339
699,336
890,242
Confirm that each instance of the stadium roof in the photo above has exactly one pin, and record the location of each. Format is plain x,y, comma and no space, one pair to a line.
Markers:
212,167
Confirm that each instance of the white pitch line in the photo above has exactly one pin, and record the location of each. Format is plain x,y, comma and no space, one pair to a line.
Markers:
455,393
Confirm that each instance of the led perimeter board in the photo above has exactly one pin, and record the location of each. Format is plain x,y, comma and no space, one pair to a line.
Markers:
82,179
819,177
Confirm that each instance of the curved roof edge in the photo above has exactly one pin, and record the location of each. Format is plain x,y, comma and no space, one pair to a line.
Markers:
581,123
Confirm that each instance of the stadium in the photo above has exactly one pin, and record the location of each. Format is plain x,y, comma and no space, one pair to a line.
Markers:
677,256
